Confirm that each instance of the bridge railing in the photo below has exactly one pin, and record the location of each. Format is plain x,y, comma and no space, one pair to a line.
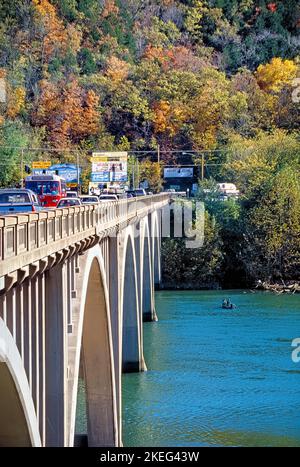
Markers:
28,237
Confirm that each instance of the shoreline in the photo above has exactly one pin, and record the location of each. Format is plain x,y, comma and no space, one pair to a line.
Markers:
288,288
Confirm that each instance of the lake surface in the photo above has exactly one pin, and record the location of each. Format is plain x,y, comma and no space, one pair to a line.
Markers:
216,377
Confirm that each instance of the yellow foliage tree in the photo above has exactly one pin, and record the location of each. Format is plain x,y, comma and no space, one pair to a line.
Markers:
16,101
275,75
152,172
211,108
117,70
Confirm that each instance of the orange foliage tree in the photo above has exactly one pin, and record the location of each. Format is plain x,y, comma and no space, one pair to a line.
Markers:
55,37
69,113
169,118
110,8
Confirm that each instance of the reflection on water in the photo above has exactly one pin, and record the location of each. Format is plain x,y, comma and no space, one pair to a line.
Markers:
216,377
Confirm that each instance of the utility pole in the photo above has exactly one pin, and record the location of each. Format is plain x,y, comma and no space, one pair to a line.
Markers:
133,174
22,168
202,167
78,173
137,172
158,153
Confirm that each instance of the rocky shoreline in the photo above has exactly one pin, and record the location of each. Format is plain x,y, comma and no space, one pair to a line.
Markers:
289,287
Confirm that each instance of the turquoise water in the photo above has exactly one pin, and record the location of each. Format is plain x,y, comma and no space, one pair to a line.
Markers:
216,377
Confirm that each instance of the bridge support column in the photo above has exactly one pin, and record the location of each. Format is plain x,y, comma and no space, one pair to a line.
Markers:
156,248
147,280
56,403
132,347
114,299
98,365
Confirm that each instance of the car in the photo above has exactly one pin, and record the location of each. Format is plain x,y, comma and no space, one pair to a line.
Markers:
18,200
140,192
130,194
110,191
89,199
108,198
136,192
71,194
68,203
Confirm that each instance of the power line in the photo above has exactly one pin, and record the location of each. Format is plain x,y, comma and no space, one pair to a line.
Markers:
141,151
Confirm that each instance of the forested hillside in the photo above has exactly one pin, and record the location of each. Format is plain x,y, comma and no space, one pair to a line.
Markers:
127,73
132,74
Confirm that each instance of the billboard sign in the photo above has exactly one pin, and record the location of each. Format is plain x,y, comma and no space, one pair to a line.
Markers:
67,171
41,165
178,172
100,177
109,167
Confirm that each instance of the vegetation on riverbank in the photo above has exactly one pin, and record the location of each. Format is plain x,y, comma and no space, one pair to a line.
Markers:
254,238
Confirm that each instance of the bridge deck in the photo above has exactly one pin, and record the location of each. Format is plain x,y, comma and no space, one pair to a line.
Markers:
28,238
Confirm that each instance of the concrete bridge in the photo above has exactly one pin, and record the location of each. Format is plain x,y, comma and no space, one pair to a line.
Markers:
76,285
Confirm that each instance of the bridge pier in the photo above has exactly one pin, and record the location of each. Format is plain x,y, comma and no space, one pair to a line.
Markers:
56,391
114,300
132,351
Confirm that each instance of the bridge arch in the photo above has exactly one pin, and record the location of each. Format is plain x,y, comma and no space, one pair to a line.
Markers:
147,298
132,355
94,347
18,421
155,234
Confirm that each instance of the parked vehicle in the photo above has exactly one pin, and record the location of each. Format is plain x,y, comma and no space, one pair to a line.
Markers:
228,190
68,202
108,198
18,200
89,199
49,188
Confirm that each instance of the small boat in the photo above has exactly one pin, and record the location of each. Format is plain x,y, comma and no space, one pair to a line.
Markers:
227,305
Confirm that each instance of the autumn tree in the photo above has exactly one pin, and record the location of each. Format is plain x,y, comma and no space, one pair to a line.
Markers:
275,75
69,113
152,173
56,39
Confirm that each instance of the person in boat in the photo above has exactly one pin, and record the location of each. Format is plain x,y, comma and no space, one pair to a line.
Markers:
227,303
